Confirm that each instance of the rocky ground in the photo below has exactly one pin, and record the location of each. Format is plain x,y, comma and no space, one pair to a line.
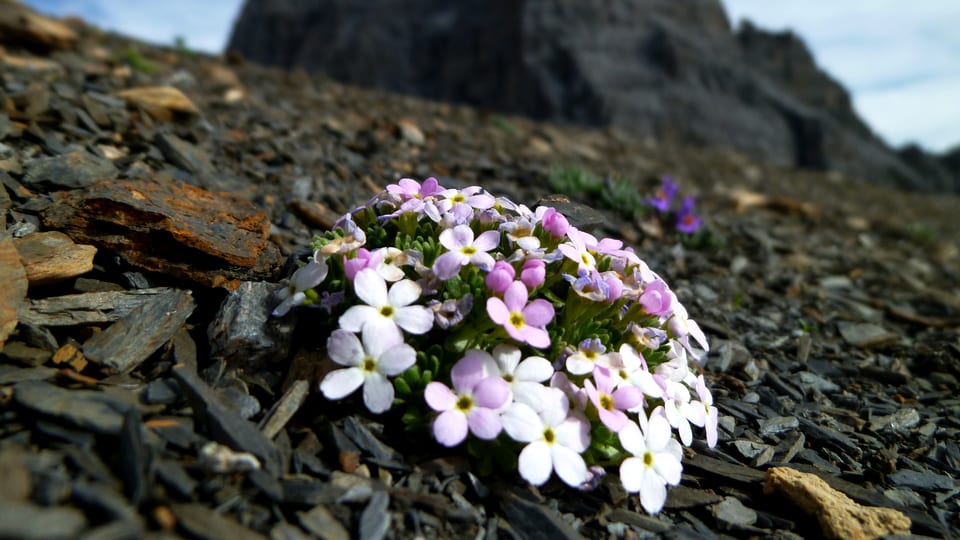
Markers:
150,196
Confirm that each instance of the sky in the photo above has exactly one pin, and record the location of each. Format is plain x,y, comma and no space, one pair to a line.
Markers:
899,59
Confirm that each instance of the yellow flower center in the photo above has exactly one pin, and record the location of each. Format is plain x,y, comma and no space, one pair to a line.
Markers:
386,311
516,319
549,435
464,403
606,402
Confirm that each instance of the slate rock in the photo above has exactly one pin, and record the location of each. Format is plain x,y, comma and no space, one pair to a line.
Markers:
28,521
320,522
202,522
125,344
730,513
87,409
88,308
162,102
215,239
244,333
375,519
927,481
535,521
74,170
13,287
49,257
866,335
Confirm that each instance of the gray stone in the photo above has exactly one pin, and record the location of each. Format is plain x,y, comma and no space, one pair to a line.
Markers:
375,519
926,481
866,334
245,334
901,420
28,521
732,514
69,171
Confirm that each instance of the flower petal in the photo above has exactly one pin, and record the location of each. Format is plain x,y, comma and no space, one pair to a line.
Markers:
448,265
468,371
352,320
652,492
404,293
378,337
535,463
515,296
533,368
484,423
341,382
522,423
450,428
344,348
497,310
569,465
439,397
483,261
668,467
370,287
492,392
627,397
507,358
535,336
487,240
377,393
414,319
396,359
574,433
631,474
538,313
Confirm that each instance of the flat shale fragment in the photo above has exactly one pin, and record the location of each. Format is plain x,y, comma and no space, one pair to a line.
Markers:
162,102
839,516
13,287
49,257
214,239
125,344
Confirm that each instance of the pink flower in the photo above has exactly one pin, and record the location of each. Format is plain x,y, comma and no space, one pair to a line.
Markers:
500,277
611,403
555,223
656,298
464,250
472,404
533,273
364,259
524,322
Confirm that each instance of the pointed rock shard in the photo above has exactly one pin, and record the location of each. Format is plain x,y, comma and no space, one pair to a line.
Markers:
162,102
838,515
13,287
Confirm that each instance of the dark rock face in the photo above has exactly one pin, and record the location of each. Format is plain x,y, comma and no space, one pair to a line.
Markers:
654,67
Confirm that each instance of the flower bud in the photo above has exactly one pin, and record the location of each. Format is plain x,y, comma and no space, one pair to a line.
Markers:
500,277
533,273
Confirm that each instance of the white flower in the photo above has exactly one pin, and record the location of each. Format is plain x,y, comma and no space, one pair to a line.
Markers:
524,377
655,462
555,439
382,354
386,311
306,277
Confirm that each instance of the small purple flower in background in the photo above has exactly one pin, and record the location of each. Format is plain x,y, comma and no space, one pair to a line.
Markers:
687,221
452,311
464,250
500,277
472,404
664,196
380,355
555,223
533,273
524,322
611,401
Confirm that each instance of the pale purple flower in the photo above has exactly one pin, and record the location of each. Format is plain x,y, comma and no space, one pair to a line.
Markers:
634,367
682,328
386,310
554,223
611,402
451,311
680,412
656,298
413,194
520,232
352,237
328,300
498,279
662,198
391,261
472,404
381,355
578,249
363,259
590,353
576,395
533,274
589,284
467,199
687,221
464,250
524,322
304,278
711,419
648,336
555,440
655,462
